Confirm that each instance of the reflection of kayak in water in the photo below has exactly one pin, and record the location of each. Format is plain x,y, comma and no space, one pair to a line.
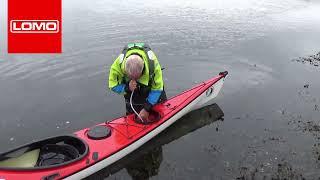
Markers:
145,162
90,150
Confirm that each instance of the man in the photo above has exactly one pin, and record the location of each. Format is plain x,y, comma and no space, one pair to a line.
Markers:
137,70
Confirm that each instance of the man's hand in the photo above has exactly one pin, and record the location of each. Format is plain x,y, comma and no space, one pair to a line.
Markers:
132,85
144,114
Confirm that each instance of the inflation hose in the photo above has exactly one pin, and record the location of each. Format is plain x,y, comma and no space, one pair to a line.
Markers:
133,108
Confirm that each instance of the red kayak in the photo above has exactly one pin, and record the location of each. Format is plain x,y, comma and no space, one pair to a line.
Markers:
92,149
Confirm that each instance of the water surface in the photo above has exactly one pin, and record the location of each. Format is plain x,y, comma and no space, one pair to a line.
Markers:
270,101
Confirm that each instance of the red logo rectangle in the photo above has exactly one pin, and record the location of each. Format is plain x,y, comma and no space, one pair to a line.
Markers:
34,26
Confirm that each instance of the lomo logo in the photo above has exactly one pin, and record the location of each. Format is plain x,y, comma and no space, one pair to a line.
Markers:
34,26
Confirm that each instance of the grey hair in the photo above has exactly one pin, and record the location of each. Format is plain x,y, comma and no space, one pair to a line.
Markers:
134,66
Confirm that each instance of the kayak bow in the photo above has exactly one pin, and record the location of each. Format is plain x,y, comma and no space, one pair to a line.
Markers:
92,149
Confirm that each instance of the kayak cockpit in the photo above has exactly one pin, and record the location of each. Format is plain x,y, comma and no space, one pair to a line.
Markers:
154,116
52,152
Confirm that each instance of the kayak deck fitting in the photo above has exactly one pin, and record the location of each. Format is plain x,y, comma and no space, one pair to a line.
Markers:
92,149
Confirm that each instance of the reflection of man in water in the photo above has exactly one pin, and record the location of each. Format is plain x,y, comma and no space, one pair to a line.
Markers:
137,70
146,166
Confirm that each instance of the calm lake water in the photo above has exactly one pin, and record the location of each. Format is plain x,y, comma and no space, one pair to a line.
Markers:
270,99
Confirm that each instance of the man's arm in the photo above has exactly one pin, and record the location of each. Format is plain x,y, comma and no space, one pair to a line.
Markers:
115,78
156,87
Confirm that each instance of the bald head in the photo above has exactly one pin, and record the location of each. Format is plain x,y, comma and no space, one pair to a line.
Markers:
134,66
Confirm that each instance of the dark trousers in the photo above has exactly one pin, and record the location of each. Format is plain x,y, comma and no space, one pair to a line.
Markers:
139,99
